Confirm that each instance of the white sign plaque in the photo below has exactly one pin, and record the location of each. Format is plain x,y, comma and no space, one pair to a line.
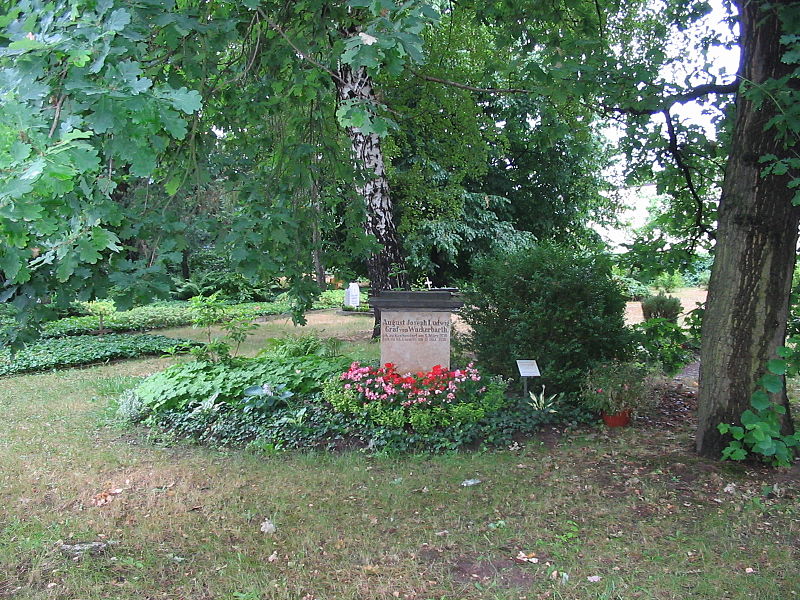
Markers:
528,368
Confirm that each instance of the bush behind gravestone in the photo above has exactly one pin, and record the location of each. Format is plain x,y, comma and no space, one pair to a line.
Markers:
548,303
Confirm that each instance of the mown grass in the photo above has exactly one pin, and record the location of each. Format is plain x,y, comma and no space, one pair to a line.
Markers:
635,508
354,328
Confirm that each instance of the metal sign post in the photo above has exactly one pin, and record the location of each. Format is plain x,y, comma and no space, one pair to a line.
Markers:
527,368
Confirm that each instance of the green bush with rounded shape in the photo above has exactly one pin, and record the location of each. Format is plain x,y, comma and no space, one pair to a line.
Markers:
664,344
669,282
632,289
552,304
661,307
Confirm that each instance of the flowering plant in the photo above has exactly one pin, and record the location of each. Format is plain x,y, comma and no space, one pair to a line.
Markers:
421,401
613,387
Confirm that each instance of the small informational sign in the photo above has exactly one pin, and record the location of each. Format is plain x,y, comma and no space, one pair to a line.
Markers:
528,368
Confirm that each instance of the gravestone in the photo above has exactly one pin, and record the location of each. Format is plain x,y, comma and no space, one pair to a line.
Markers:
352,295
415,328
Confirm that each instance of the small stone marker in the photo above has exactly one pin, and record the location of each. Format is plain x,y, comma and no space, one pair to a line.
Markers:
415,328
527,368
352,295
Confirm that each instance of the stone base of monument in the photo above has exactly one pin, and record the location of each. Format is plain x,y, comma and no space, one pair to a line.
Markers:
415,328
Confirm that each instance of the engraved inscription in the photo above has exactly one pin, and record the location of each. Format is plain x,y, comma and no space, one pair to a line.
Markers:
415,340
416,330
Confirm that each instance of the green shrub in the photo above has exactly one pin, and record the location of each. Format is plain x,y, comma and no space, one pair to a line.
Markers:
663,343
669,282
699,271
8,315
632,289
694,324
615,386
319,425
545,303
330,299
293,345
155,316
211,273
661,307
86,349
102,309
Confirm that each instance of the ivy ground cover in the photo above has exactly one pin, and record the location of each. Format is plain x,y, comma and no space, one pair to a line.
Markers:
52,353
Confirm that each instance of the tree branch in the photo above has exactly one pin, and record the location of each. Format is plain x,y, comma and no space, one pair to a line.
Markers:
302,54
470,88
675,150
681,98
57,115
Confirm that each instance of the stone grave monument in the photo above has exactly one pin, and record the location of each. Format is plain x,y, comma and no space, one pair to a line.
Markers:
415,327
352,295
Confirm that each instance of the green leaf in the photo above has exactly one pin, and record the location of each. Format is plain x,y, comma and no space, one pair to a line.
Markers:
185,100
20,151
765,447
772,383
27,44
102,117
173,185
749,418
88,251
118,20
760,400
66,267
777,366
174,124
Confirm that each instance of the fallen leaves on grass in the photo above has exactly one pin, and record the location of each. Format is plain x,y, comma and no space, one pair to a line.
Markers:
523,557
103,498
268,527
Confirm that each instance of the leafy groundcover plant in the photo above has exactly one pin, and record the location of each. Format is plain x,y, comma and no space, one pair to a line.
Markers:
296,397
87,349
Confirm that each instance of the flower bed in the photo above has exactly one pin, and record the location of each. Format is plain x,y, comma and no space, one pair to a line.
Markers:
419,401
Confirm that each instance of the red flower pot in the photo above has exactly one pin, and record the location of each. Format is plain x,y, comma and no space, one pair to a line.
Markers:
619,419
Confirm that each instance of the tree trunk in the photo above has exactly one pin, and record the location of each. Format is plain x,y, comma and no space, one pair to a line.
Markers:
386,267
748,294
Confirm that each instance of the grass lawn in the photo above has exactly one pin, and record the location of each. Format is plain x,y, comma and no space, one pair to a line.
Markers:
571,515
354,328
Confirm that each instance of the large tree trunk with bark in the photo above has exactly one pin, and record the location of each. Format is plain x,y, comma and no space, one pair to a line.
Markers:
748,294
386,267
